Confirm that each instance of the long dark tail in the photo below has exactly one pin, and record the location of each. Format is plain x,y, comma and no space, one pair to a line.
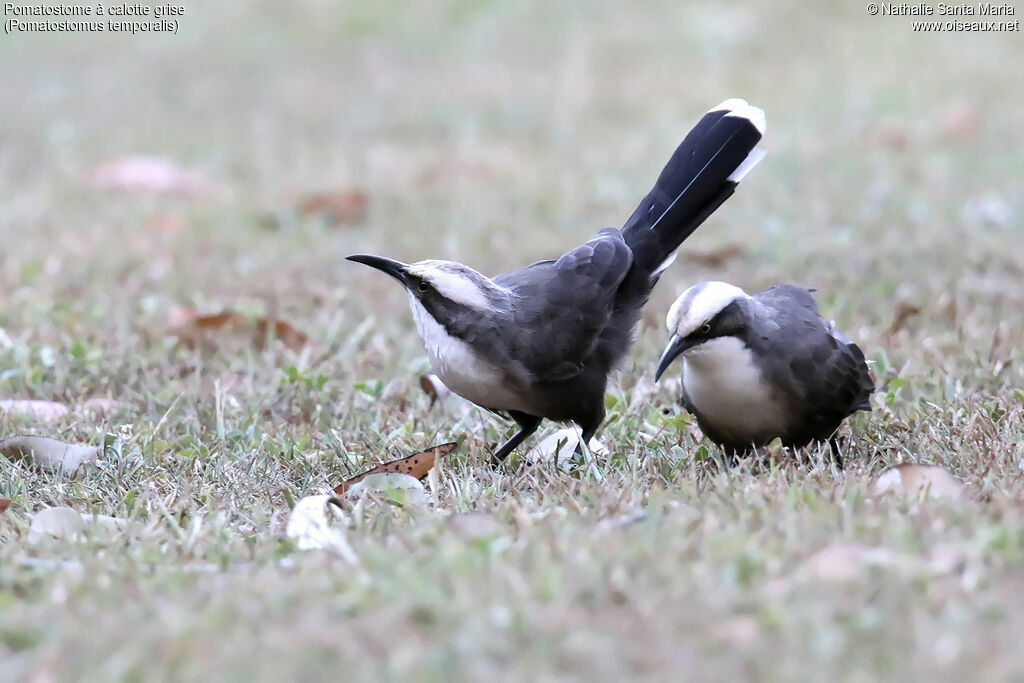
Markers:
705,169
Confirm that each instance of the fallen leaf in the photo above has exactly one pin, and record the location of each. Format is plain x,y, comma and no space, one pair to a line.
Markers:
336,207
46,411
919,480
4,504
47,453
434,388
416,465
64,523
715,258
271,328
958,121
100,406
310,529
444,397
193,329
561,445
149,174
395,487
904,312
166,224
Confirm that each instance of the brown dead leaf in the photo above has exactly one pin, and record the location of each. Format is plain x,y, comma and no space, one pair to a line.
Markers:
927,481
958,121
45,411
166,224
4,503
150,175
337,207
417,465
193,329
271,328
715,258
904,312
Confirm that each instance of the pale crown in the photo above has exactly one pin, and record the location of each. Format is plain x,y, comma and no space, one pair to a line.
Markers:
699,304
456,282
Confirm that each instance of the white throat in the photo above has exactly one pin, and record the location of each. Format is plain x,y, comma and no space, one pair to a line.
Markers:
462,369
727,390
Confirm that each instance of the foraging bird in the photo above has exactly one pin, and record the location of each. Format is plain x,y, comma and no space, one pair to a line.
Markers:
540,342
761,367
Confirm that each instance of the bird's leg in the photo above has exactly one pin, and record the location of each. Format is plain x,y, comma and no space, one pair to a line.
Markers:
527,425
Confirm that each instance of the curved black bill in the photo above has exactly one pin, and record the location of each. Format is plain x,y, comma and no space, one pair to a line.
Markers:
676,346
395,269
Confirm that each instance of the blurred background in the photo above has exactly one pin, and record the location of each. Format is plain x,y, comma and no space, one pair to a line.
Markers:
167,201
495,134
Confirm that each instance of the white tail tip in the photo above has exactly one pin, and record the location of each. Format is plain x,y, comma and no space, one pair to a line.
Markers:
753,114
729,105
747,165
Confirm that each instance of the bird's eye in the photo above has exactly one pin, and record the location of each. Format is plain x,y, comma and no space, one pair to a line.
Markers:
706,328
423,286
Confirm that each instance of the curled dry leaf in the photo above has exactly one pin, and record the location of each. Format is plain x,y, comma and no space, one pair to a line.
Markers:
434,388
919,480
416,465
309,527
446,400
4,504
561,445
193,329
44,411
47,453
151,175
902,315
336,207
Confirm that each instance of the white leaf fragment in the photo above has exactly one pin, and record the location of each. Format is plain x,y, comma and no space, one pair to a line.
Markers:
47,453
562,445
309,527
394,486
66,524
43,411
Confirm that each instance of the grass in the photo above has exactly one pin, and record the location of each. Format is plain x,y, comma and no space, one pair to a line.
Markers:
498,134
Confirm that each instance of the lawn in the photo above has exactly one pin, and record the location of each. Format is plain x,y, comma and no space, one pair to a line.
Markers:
498,134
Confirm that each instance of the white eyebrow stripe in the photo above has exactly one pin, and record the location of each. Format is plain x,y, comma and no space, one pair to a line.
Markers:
453,286
701,306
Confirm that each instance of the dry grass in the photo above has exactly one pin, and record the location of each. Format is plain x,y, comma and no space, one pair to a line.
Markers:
498,134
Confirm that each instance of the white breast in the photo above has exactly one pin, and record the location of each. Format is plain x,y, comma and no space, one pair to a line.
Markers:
728,392
462,370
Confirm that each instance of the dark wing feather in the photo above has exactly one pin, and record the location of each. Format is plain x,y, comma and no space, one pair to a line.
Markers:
820,366
566,304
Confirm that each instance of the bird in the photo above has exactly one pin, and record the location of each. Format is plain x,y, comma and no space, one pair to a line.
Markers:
761,367
539,343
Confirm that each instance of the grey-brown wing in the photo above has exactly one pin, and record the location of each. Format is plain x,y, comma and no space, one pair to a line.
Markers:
820,365
564,305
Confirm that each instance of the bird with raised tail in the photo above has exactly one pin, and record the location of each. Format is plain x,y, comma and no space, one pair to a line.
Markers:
540,342
757,368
